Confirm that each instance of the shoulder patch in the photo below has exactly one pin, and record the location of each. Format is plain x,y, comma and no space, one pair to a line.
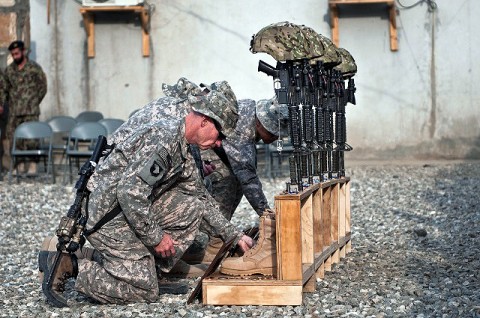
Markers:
156,167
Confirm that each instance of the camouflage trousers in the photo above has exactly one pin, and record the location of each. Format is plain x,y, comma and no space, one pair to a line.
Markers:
223,185
130,270
13,123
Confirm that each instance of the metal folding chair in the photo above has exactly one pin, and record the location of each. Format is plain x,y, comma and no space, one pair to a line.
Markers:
61,126
111,124
38,137
89,116
81,143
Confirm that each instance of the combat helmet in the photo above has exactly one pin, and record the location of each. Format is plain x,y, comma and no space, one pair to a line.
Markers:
272,115
331,56
348,67
286,41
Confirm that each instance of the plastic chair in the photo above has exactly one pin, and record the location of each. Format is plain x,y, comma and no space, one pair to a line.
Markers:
111,124
81,142
61,126
88,116
40,136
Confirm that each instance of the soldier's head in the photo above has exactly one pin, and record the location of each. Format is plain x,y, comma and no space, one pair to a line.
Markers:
218,108
17,50
271,119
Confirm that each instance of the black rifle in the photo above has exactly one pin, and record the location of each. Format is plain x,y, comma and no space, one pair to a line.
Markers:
280,79
70,231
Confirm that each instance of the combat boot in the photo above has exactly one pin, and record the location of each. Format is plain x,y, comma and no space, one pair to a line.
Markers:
262,258
67,267
204,256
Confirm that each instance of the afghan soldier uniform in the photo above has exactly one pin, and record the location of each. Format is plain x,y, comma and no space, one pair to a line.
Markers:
25,89
152,177
4,114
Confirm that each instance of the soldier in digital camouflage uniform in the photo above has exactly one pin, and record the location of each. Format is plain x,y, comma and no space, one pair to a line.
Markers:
235,162
152,177
26,86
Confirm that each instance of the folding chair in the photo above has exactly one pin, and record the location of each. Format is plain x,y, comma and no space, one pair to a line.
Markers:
39,137
81,143
111,124
61,126
89,116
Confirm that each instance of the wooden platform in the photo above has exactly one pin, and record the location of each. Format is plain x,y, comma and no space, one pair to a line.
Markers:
313,232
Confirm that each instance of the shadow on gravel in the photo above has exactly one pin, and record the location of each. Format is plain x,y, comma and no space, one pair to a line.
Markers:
442,254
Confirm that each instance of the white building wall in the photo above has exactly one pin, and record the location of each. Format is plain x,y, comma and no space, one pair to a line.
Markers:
418,102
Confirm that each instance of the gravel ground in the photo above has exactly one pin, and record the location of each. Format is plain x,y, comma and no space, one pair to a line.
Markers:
415,234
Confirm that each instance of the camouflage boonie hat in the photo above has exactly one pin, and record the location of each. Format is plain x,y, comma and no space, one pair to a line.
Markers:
272,115
181,89
222,87
286,41
348,67
219,108
331,56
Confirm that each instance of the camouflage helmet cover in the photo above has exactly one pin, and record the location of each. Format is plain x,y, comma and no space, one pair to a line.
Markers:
286,41
272,115
331,56
348,67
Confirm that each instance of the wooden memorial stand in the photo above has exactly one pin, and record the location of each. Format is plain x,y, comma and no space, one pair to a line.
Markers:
313,232
392,11
89,23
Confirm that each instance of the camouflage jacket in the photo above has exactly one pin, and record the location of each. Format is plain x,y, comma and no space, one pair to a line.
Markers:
242,157
25,88
2,88
150,156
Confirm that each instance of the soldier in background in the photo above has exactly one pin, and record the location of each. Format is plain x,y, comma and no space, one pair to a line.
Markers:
3,117
26,86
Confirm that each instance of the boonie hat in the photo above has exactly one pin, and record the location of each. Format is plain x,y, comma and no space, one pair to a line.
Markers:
219,108
272,115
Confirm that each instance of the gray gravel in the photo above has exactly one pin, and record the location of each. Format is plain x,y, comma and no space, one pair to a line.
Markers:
416,253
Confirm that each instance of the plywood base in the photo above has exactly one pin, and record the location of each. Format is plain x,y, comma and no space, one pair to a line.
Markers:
312,228
238,291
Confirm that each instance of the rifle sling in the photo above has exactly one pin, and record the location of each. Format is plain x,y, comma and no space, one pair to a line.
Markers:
107,217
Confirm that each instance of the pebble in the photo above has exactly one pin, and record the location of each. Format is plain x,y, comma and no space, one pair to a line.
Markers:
414,250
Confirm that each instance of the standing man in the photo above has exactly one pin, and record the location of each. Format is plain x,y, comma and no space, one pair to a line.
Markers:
26,86
3,117
151,181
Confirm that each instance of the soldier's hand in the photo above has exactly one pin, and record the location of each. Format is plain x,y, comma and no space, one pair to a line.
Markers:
165,247
245,243
208,168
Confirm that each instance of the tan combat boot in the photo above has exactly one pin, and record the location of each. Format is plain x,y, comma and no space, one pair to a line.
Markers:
67,266
262,258
205,256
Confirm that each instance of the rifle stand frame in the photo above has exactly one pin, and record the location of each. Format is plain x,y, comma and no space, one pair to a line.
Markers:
313,232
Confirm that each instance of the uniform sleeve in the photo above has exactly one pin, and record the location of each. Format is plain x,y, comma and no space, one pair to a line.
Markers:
215,224
150,167
242,158
41,84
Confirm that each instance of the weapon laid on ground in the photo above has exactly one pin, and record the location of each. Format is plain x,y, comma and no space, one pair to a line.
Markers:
70,231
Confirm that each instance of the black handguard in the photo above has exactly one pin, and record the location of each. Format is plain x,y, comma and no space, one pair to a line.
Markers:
71,227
